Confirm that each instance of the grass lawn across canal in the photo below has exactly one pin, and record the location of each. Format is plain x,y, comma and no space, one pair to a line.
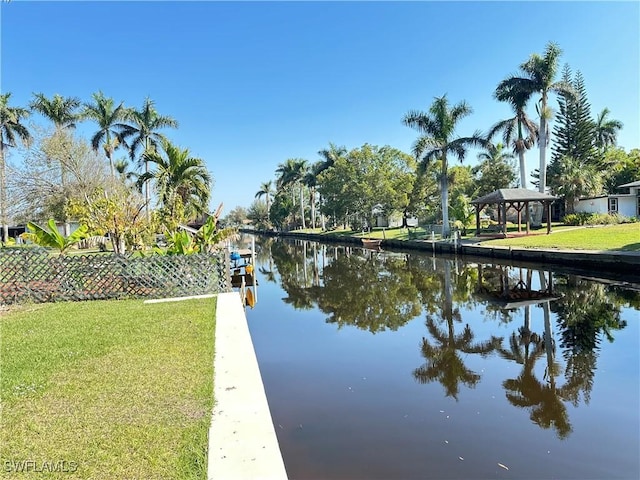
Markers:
107,389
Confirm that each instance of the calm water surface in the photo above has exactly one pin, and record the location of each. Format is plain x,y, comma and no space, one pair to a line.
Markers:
405,366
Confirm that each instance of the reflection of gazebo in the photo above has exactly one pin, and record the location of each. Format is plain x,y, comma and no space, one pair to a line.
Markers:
495,286
516,198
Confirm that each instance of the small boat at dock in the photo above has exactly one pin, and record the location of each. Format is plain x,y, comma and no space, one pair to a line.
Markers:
371,242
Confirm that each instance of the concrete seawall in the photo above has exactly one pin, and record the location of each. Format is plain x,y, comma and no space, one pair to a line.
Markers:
603,260
242,440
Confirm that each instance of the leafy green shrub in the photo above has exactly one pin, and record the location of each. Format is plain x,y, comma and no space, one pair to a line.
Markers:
583,218
575,219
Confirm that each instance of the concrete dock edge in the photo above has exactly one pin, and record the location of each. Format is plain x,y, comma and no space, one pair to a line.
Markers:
242,440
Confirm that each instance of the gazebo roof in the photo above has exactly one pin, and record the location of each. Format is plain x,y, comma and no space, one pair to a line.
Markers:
513,195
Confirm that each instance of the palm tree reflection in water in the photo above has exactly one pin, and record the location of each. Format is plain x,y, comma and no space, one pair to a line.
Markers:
378,292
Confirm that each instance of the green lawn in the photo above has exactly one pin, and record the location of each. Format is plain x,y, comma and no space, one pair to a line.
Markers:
624,237
118,388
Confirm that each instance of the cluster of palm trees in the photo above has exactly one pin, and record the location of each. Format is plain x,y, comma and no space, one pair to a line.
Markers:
438,140
298,174
180,180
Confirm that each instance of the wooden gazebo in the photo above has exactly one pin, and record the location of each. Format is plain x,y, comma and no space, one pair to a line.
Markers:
516,198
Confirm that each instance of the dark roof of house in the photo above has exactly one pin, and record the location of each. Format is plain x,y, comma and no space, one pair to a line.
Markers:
513,195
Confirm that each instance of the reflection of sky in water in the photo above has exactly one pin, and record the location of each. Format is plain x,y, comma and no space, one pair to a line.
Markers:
346,404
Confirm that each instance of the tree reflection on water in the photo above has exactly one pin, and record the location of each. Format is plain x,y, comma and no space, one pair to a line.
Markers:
376,291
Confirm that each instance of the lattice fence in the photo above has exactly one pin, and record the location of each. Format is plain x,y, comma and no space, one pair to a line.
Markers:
33,274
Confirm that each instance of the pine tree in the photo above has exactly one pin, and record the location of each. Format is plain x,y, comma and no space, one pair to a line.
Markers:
574,132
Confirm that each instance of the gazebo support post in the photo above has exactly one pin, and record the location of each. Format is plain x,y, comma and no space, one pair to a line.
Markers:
526,215
478,207
548,205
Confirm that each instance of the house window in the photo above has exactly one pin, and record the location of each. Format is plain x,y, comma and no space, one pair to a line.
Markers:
613,205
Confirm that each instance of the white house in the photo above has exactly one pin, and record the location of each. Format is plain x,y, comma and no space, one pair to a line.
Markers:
627,204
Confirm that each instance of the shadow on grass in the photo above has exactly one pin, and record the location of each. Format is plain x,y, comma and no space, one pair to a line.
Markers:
629,247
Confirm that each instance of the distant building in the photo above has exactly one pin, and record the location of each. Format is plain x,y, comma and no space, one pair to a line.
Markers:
627,204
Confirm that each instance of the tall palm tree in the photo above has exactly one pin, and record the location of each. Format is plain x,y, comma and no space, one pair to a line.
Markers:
11,129
266,190
292,172
63,112
311,180
540,74
108,117
606,130
438,140
143,130
514,129
180,180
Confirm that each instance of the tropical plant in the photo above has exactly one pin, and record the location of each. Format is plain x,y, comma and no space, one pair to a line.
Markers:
117,213
108,117
62,111
514,129
540,72
266,190
437,141
329,156
52,238
209,237
292,172
206,239
143,135
495,170
124,172
258,214
606,130
576,179
181,181
11,129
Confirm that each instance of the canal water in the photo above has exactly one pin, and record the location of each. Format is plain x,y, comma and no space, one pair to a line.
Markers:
389,365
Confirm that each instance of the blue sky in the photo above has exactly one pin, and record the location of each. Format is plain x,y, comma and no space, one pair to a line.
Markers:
255,83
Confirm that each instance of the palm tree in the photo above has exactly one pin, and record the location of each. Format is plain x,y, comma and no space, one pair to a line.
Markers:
11,129
180,180
541,72
311,180
266,190
495,154
437,141
143,130
292,172
577,179
513,129
121,167
329,157
606,130
108,117
62,111
443,362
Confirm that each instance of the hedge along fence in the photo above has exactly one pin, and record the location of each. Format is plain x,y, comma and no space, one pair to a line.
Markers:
33,274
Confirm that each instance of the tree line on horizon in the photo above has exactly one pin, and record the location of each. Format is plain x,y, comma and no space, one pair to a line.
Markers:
65,177
351,186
